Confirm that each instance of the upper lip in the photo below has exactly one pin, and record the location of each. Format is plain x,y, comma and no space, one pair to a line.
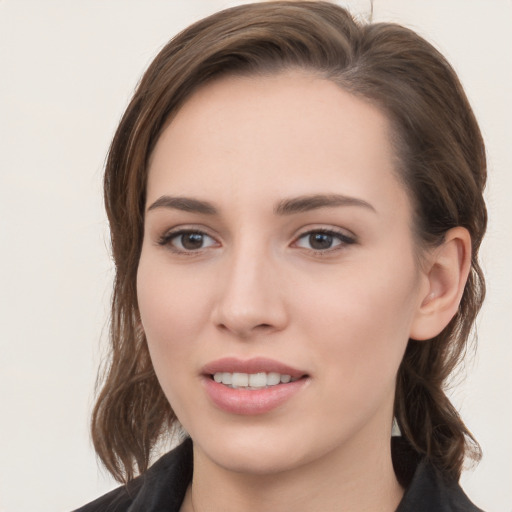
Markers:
253,365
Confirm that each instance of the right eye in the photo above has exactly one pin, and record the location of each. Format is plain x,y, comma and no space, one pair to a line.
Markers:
187,241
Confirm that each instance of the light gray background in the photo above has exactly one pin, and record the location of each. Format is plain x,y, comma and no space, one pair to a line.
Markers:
67,70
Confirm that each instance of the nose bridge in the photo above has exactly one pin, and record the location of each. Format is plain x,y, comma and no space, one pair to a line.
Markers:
250,299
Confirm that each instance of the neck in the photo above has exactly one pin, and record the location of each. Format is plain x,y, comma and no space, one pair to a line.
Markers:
357,478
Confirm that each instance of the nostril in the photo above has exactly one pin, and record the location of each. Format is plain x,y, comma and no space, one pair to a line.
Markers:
263,326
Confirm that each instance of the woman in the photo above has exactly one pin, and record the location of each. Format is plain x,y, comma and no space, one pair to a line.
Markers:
296,209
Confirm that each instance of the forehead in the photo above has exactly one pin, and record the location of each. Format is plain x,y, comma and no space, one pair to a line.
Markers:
286,134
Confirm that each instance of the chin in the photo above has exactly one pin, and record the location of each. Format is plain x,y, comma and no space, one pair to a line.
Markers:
249,449
256,459
261,451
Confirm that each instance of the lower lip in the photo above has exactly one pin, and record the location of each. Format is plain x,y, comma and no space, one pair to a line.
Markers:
251,402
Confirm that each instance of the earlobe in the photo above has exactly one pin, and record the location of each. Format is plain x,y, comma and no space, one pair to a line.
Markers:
446,271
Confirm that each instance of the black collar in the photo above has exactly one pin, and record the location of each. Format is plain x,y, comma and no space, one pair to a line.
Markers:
162,488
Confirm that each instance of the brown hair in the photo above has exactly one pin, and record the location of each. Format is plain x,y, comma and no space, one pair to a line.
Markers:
442,163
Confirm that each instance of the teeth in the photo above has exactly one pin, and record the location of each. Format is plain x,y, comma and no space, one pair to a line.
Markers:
273,378
252,380
257,380
240,380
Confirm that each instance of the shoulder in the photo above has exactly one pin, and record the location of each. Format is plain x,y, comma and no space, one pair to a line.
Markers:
117,500
162,487
426,488
430,491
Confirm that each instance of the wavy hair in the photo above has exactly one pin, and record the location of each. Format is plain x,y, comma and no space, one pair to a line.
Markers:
442,164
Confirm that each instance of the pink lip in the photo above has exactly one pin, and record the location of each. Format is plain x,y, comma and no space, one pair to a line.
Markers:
251,402
254,365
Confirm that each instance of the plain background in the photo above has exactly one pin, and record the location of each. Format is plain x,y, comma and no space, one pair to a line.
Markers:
67,70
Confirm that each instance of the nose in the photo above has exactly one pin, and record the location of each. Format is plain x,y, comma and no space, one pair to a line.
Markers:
251,299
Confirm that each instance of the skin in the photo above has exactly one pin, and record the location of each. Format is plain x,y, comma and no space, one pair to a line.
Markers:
255,287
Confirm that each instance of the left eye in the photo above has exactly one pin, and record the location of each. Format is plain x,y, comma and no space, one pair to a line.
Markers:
187,241
323,240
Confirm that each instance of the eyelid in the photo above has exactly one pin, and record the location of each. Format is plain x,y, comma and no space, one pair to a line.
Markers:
166,238
345,237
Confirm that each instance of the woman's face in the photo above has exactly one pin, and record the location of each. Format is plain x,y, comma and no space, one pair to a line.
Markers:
278,241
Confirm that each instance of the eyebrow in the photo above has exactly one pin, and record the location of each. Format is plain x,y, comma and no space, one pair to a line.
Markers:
313,202
185,204
285,207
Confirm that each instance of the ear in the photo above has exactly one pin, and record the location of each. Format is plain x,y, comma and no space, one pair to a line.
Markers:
446,271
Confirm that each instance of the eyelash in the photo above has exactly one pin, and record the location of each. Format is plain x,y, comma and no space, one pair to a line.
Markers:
343,238
167,238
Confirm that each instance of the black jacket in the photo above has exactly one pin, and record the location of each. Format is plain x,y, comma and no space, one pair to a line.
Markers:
162,488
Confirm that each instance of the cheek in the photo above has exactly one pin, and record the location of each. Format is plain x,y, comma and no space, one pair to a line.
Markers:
170,310
358,339
362,318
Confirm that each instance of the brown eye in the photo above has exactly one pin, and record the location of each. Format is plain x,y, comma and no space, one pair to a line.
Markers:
323,240
187,241
320,241
191,241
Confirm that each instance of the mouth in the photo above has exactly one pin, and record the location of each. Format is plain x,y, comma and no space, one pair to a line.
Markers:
254,386
254,373
252,381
